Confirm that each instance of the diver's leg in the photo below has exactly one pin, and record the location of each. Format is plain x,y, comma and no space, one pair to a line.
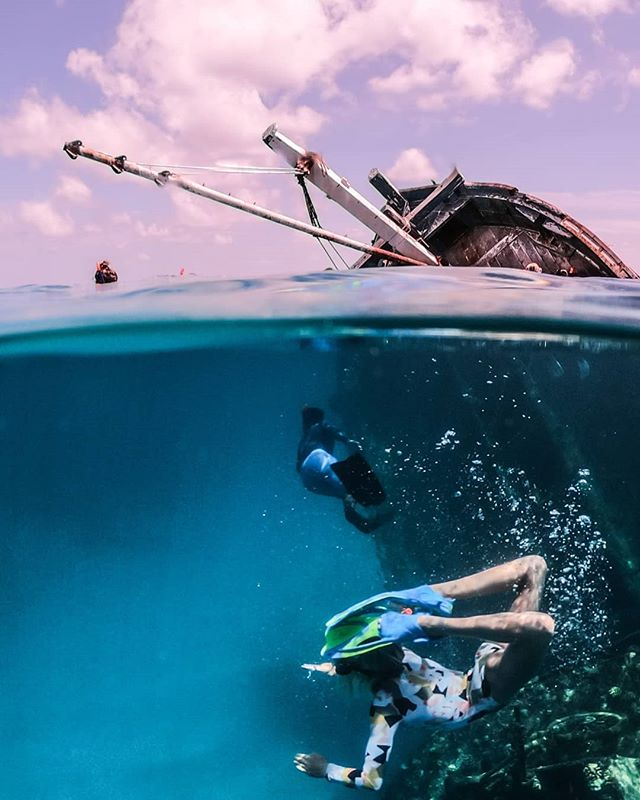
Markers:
526,575
508,671
506,626
366,521
526,631
354,517
527,635
318,477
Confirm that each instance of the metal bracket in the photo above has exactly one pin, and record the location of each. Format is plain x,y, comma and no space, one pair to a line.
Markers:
72,148
118,164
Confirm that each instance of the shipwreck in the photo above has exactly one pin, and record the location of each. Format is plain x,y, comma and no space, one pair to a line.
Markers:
452,223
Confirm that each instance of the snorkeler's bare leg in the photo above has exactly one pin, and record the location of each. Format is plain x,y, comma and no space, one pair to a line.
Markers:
526,634
520,661
508,671
524,629
526,575
506,626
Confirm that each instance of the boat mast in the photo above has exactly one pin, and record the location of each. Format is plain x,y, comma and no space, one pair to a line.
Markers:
338,189
122,164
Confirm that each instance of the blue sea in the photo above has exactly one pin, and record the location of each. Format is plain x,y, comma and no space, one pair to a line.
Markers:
163,573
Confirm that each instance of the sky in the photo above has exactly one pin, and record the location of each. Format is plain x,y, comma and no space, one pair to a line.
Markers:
540,94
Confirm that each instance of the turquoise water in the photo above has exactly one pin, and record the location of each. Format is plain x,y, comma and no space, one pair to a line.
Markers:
163,572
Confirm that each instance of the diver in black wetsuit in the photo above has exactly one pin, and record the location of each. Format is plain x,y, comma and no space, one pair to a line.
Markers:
351,480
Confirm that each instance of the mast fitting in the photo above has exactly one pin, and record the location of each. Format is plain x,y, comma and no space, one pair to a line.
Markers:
72,148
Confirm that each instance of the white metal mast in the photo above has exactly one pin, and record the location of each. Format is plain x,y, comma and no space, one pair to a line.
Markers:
122,164
338,189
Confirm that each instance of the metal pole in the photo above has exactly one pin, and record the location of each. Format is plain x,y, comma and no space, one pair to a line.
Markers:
121,164
340,191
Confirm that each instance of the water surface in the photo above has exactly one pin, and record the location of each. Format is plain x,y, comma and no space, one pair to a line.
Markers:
163,572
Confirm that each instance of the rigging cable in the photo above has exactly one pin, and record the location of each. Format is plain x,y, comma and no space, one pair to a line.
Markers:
313,216
237,169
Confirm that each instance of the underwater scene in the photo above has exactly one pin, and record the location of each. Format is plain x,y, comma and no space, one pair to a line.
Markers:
174,538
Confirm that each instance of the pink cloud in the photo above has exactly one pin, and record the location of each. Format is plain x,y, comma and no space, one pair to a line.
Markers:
45,219
546,73
412,166
233,72
39,127
90,65
152,230
72,189
455,49
404,79
592,8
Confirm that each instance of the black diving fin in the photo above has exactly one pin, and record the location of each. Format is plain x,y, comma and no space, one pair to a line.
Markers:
359,479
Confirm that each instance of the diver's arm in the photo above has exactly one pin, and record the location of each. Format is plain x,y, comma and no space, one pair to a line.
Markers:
342,437
384,723
354,443
377,753
333,431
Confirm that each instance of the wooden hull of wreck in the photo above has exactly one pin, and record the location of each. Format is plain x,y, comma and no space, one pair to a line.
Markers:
493,225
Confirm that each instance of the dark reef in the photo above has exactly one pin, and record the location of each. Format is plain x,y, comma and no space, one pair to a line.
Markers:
573,733
492,449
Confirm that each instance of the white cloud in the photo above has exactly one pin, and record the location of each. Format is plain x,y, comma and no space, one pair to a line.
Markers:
412,167
237,67
90,65
403,79
151,230
546,74
45,218
72,189
233,71
591,8
121,218
432,102
40,126
461,48
587,84
634,76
